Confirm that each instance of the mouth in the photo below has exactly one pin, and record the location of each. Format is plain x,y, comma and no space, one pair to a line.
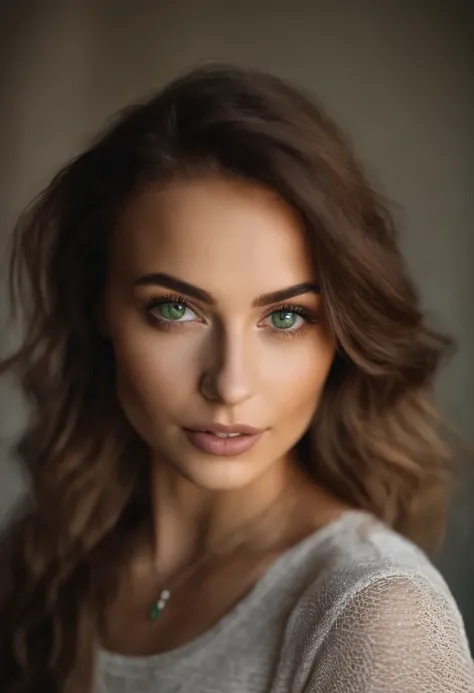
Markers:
222,431
224,435
222,440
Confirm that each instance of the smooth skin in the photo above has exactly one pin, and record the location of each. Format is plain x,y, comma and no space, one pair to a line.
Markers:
205,330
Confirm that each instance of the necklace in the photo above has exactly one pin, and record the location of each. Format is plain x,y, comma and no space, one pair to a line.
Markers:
165,594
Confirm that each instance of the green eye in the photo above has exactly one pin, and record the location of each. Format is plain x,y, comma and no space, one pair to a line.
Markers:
284,320
172,311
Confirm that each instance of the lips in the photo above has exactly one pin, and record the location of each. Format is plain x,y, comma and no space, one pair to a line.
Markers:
225,441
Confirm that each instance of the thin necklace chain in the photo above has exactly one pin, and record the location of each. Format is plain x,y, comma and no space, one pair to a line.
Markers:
160,604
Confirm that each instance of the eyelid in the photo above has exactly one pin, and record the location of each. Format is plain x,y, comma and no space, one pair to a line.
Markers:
154,301
309,314
170,298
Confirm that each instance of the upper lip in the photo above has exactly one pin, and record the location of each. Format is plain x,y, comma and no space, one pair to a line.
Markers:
220,428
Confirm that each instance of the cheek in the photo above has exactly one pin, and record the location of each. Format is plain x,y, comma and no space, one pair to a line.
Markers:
153,376
296,382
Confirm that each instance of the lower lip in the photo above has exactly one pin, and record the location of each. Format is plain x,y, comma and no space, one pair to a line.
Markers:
222,447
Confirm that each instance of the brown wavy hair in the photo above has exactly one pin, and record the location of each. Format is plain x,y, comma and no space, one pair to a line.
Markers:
375,442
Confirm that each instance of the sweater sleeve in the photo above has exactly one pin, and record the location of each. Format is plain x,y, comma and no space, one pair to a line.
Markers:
396,635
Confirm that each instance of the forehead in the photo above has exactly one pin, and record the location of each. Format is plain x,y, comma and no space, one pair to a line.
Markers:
219,234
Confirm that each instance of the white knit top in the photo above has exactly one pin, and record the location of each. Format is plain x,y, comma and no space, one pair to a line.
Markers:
353,608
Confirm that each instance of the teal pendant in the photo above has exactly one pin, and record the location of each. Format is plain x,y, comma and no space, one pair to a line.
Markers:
155,611
159,605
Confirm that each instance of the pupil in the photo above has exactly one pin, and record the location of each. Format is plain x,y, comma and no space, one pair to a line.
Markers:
176,309
283,320
172,311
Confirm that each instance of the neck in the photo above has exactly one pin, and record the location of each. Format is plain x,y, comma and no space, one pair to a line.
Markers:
189,521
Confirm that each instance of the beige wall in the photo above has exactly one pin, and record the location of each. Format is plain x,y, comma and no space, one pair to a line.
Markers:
395,74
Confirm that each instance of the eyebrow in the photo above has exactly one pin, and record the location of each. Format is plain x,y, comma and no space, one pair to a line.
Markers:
180,286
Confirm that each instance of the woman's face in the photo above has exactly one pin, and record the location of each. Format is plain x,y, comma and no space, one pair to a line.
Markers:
215,316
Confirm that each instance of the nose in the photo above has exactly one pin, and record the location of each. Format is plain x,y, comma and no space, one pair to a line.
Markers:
227,378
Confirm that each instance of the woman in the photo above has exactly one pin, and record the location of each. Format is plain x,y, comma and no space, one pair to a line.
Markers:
235,465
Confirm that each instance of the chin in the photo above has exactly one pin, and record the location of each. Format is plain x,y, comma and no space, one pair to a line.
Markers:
218,473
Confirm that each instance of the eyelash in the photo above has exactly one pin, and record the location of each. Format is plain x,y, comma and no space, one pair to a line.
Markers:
308,316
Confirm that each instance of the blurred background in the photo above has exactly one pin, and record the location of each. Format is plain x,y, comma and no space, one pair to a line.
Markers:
397,75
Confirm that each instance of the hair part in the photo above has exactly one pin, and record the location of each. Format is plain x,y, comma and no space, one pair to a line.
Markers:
376,439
